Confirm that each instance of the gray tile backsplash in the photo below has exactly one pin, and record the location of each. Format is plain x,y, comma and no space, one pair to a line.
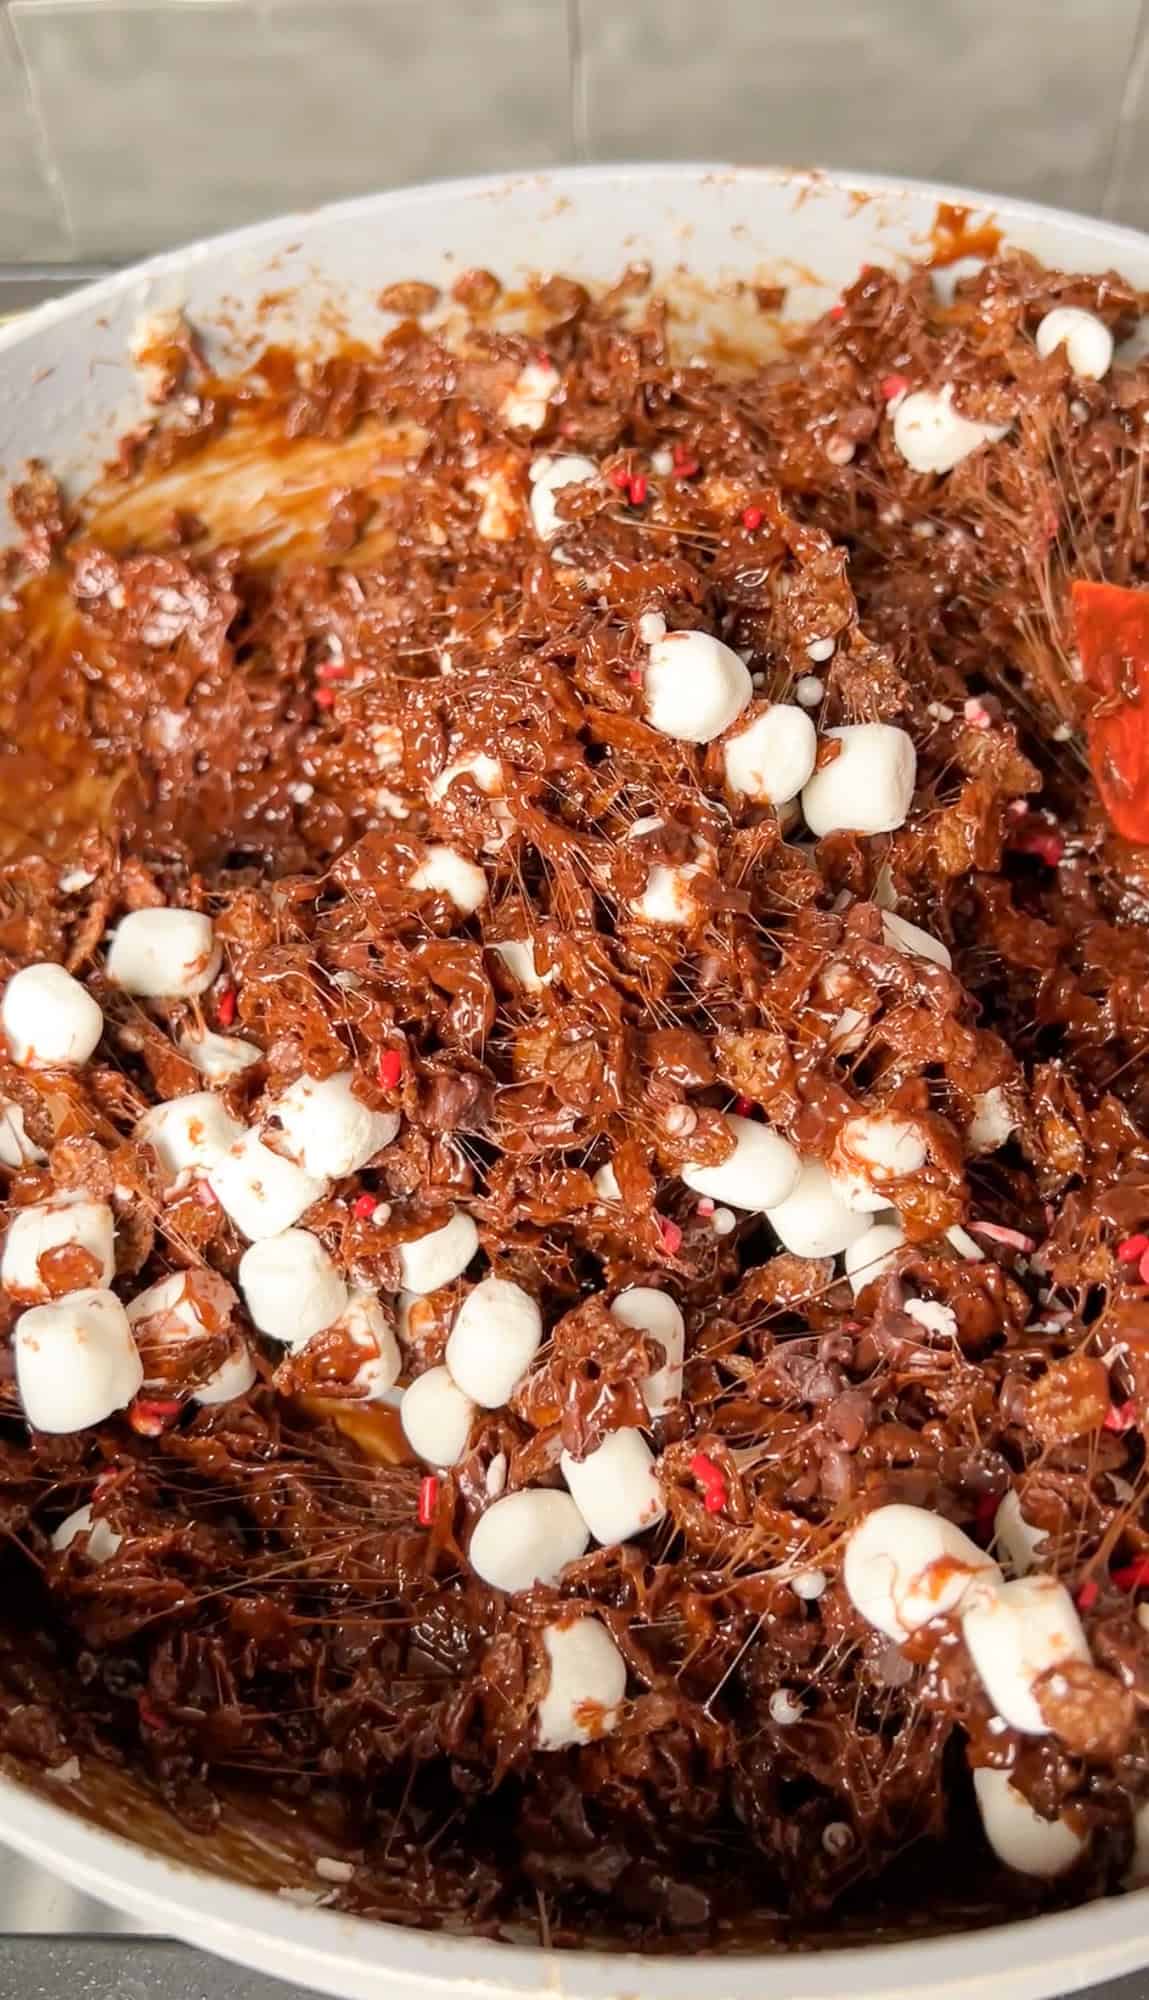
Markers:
129,124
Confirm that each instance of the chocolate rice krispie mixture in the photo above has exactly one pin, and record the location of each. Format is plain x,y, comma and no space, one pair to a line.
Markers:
573,1108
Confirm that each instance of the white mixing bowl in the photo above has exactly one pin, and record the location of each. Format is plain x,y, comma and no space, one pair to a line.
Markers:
69,390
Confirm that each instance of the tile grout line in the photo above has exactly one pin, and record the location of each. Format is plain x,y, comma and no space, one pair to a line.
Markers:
576,60
1125,120
53,178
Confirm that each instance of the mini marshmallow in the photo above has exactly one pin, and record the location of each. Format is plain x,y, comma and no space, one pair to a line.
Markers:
934,437
656,1313
901,935
16,1148
192,1131
614,1487
759,1174
549,476
869,786
262,1192
443,871
527,1538
69,1222
164,954
76,1361
870,1154
518,955
291,1288
48,1019
327,1130
367,1326
992,1121
426,1262
486,771
497,1333
773,758
526,402
870,1255
103,1541
587,1684
174,1305
436,1418
936,1317
905,1566
1086,339
233,1378
814,1221
667,897
1016,1632
1017,1834
1021,1542
219,1057
695,686
605,1184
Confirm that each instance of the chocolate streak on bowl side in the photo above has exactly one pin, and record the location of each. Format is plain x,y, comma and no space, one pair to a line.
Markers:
230,682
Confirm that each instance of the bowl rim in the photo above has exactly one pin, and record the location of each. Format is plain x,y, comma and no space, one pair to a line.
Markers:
341,1954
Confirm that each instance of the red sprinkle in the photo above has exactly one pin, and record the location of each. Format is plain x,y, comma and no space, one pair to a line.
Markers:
893,385
685,467
743,1106
225,1012
837,312
671,1235
752,517
1143,1269
712,1480
996,1232
1134,1575
637,489
1133,1248
1120,1417
390,1068
620,477
364,1207
428,1500
332,670
634,676
150,1416
1040,842
706,1206
149,1716
1087,1595
325,697
985,1515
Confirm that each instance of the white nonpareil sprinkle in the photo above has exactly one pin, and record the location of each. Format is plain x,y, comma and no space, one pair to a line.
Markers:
901,935
771,759
820,650
809,1584
1016,1632
723,1222
48,1019
1018,1835
868,787
933,1316
905,1566
587,1684
436,1417
837,1838
518,955
70,1222
527,1538
291,1288
651,627
329,1131
814,1221
103,1541
759,1174
871,1154
497,1333
615,1488
784,1708
1019,1540
219,1057
934,437
695,686
163,954
662,461
263,1193
871,1255
1086,339
809,691
192,1131
76,1361
443,871
426,1262
548,477
656,1313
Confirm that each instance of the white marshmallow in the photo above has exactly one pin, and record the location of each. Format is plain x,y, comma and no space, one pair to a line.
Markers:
103,1541
443,871
518,955
605,1184
291,1288
426,1262
497,1333
1086,339
16,1148
695,686
992,1121
549,476
1020,1540
656,1313
870,1154
76,1361
261,1192
54,1225
368,1327
936,1317
809,691
192,1131
905,1566
174,1298
614,1487
1016,1632
667,898
233,1378
436,1418
587,1684
486,771
772,759
872,1254
1018,1835
869,786
814,1221
526,402
327,1130
934,437
164,954
527,1538
901,935
48,1018
760,1173
219,1057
